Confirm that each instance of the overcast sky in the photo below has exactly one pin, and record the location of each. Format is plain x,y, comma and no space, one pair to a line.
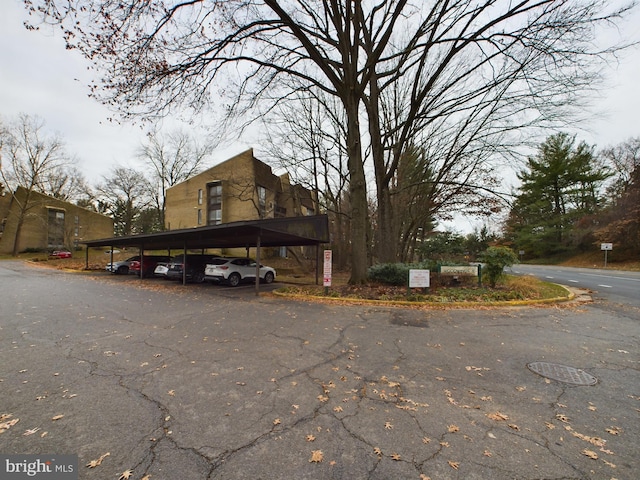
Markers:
39,77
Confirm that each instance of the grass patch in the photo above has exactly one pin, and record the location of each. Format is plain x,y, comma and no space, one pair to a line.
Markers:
511,288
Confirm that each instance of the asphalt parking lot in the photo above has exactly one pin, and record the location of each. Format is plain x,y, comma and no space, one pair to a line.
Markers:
165,381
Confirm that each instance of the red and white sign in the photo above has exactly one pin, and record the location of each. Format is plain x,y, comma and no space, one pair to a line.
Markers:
326,270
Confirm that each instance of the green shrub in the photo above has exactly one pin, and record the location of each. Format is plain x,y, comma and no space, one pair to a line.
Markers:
495,259
389,273
396,273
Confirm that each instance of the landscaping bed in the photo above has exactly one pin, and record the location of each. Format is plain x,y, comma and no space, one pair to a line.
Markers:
512,288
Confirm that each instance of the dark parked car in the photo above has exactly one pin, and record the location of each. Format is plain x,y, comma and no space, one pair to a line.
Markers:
149,264
195,267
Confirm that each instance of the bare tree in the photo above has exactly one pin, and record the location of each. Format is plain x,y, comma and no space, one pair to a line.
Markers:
306,137
173,159
65,183
460,56
28,158
620,221
624,160
124,195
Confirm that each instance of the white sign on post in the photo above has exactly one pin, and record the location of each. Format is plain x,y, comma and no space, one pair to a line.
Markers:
418,278
607,247
326,271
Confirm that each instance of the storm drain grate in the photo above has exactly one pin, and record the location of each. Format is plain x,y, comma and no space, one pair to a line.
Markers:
562,373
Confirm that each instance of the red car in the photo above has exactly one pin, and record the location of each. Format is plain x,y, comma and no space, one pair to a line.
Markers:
150,264
60,254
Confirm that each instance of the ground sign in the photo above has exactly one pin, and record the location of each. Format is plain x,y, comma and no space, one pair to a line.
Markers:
418,278
471,270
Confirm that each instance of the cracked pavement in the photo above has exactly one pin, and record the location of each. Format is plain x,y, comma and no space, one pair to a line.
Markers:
207,382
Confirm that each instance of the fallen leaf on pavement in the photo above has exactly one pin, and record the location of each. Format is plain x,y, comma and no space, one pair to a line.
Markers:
497,416
316,456
97,462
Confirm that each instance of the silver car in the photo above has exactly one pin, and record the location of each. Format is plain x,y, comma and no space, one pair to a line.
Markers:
235,270
121,268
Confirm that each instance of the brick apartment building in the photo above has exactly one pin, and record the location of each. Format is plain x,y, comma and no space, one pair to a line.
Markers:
49,223
241,188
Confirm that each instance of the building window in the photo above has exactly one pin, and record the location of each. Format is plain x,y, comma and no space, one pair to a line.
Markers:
199,216
280,212
55,231
262,201
199,196
214,210
76,226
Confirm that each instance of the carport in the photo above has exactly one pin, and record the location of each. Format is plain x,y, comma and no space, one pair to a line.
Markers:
272,232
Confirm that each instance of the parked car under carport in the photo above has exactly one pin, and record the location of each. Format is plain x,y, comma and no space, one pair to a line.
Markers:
312,230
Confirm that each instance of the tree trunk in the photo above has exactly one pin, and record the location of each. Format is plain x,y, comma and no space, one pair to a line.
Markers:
24,208
357,194
16,240
386,240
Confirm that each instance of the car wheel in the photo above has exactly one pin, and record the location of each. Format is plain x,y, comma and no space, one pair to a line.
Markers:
234,279
123,270
268,277
198,277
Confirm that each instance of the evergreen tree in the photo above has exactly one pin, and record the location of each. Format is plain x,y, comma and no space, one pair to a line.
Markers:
560,185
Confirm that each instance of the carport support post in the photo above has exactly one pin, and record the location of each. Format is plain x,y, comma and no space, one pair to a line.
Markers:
140,252
184,264
258,265
317,263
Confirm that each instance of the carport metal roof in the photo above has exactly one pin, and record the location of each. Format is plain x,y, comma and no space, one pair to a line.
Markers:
271,232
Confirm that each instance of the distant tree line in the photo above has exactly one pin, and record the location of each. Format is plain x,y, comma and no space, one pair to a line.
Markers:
37,160
572,198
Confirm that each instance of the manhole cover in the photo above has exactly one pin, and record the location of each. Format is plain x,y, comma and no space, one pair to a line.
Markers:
562,373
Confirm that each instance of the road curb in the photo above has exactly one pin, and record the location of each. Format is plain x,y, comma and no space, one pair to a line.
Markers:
574,295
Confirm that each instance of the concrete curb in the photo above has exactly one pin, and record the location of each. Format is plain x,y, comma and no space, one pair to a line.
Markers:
573,295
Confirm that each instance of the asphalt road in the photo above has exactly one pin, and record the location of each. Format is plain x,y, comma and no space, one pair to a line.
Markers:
616,285
172,382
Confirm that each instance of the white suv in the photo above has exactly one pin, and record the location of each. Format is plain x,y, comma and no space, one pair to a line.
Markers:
235,270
